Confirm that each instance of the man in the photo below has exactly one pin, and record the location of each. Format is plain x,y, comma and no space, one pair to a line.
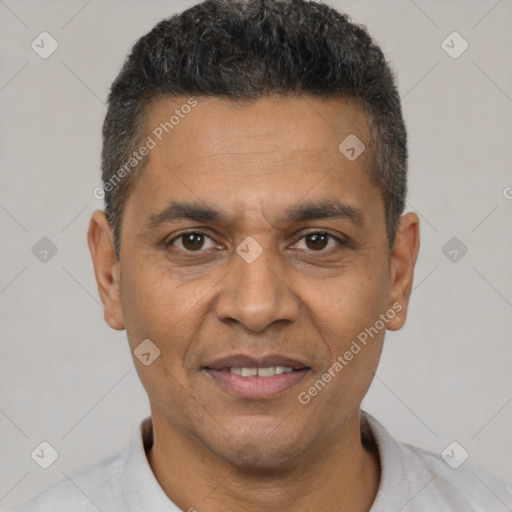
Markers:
253,247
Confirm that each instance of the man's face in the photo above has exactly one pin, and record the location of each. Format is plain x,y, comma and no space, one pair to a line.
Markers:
255,282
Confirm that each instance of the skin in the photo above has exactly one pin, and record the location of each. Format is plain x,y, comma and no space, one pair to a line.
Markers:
214,451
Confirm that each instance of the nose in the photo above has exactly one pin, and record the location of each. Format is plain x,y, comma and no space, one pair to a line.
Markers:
256,294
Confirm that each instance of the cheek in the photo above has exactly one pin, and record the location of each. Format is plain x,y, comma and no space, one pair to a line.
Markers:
355,331
155,308
154,305
348,304
347,313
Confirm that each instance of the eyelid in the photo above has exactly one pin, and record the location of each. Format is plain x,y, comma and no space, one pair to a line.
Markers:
337,236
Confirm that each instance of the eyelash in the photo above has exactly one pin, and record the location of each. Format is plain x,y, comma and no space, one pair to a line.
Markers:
198,232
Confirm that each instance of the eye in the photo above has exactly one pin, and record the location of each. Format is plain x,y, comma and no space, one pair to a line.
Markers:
318,241
194,241
190,241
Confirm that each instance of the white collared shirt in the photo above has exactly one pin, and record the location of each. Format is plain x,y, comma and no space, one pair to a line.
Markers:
412,480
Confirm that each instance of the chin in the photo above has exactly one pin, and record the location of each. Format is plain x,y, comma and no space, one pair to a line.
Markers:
264,452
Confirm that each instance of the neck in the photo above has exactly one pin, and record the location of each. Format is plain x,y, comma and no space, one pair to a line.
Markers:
341,475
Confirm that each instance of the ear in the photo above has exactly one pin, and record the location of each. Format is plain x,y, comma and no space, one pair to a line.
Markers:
403,259
106,268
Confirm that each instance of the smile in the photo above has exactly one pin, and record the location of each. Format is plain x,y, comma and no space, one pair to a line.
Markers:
261,372
256,383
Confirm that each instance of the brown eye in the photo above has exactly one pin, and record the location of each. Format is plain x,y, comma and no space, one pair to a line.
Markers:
191,241
317,241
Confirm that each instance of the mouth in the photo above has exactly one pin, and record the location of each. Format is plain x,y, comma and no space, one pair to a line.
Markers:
256,377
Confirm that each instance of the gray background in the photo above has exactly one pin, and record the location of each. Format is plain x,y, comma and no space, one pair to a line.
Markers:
67,379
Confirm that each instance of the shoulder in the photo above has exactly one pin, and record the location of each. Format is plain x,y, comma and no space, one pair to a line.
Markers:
456,485
413,479
95,487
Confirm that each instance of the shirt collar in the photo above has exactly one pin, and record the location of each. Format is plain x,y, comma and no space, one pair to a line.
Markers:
392,472
140,486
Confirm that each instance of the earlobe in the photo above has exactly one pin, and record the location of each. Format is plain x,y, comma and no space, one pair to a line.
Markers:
403,259
106,268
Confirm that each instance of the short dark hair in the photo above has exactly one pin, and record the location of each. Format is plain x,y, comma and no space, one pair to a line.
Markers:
245,50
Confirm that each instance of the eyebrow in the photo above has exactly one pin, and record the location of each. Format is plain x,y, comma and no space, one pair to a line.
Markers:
198,212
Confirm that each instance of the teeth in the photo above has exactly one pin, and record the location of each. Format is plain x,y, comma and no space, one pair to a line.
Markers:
261,372
266,372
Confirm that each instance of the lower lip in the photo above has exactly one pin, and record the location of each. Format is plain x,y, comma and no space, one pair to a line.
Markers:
256,387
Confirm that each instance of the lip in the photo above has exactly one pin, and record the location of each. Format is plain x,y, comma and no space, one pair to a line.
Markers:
246,361
255,387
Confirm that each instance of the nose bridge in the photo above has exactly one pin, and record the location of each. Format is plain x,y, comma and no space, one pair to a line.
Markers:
255,294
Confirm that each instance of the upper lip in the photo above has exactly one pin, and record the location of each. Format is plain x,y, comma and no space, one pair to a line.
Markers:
244,361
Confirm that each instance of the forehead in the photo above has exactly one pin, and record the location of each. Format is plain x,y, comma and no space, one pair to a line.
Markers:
274,150
275,123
